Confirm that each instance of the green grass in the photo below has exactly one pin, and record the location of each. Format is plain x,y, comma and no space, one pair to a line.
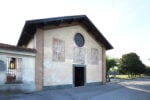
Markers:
122,76
127,76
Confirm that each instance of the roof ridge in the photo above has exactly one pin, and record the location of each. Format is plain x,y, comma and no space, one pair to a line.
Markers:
64,17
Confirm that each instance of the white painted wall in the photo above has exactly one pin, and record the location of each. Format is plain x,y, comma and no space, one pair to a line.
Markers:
59,73
27,68
3,73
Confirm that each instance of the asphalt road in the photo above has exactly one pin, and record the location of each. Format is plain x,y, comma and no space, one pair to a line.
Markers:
137,89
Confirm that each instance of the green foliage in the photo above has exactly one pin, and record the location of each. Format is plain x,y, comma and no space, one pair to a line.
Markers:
131,64
110,63
127,76
147,71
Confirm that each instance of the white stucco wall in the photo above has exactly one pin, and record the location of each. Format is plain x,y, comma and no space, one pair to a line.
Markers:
3,73
59,73
32,43
27,69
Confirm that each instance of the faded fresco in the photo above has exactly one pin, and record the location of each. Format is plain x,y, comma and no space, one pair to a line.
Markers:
58,50
94,56
79,55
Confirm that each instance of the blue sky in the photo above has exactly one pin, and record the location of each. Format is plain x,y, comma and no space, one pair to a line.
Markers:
125,23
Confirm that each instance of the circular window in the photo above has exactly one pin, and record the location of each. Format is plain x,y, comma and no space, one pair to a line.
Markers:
79,39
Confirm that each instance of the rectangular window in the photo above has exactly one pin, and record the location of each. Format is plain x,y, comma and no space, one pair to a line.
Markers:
13,70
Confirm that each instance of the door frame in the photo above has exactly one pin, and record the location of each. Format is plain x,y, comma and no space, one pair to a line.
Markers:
73,74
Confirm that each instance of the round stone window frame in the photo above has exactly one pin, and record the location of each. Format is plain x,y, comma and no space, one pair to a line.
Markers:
79,39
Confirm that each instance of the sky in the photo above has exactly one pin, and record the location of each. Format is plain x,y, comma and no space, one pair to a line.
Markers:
124,23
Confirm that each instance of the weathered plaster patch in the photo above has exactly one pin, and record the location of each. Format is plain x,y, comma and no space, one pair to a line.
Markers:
58,50
93,57
79,55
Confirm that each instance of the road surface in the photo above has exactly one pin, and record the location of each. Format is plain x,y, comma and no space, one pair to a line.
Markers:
137,89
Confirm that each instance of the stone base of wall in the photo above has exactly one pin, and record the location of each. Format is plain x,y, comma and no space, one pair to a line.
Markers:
24,87
58,87
94,83
69,86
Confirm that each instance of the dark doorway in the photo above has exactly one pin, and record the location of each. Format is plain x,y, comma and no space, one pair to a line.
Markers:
79,76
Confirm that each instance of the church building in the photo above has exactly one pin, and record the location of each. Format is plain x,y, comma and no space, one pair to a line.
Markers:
56,52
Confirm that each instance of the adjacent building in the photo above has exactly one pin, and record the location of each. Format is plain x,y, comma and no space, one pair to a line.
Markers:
17,68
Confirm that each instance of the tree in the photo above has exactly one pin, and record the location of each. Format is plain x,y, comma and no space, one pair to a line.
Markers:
147,71
131,64
110,62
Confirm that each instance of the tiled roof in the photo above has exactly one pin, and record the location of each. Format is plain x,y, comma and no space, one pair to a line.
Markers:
12,47
30,28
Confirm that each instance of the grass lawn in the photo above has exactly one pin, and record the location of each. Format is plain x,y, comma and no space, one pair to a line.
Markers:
127,76
122,76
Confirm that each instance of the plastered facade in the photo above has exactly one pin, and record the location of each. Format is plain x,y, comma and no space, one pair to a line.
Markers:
61,72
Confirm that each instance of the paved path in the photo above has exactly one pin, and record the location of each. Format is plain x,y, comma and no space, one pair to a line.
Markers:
137,89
